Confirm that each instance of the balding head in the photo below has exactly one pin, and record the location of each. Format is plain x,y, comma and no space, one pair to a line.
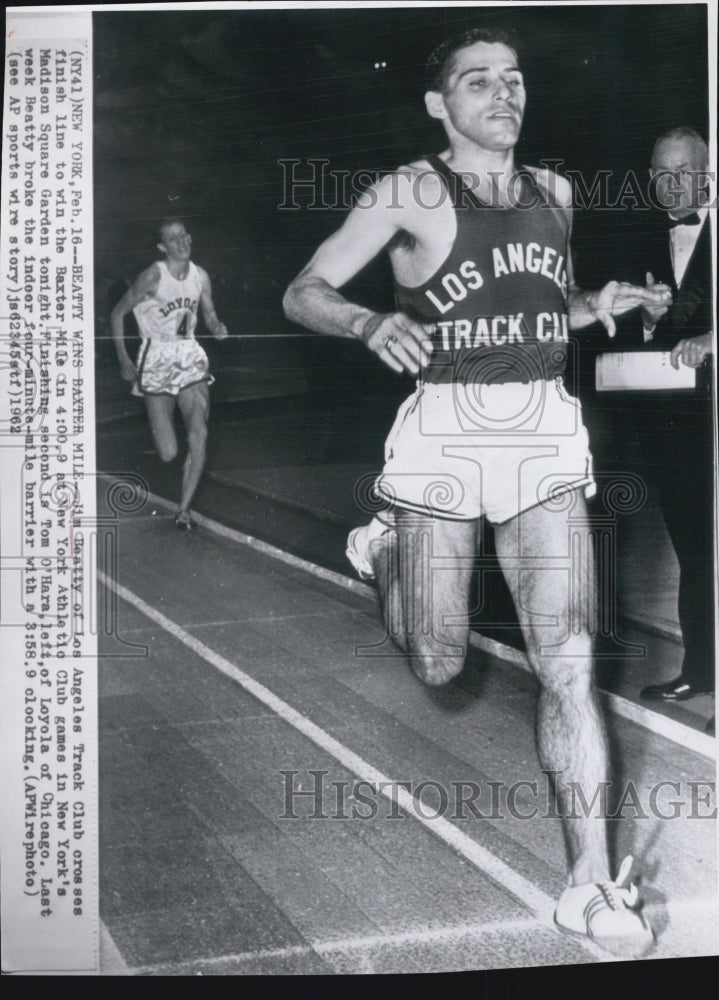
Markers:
688,141
679,171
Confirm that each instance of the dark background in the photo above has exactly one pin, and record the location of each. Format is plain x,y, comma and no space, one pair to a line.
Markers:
194,109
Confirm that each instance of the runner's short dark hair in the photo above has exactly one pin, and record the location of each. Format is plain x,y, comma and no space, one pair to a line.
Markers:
169,220
441,61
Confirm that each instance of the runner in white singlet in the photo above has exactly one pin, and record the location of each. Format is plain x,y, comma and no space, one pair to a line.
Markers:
172,368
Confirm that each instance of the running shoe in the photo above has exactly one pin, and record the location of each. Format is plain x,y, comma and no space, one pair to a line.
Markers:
183,522
608,914
358,546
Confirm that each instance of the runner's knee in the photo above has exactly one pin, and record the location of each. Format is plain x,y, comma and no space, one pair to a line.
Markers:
562,646
436,662
197,437
167,450
565,671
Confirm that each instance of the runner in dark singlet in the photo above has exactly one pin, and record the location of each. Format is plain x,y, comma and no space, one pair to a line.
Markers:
500,259
486,300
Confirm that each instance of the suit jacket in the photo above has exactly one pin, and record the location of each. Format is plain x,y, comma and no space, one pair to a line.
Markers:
691,313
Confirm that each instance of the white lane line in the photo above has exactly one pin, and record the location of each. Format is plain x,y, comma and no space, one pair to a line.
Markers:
661,627
262,954
271,550
689,909
662,725
685,736
358,943
441,935
524,891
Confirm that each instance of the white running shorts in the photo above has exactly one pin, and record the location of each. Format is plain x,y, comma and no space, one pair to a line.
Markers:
165,367
467,451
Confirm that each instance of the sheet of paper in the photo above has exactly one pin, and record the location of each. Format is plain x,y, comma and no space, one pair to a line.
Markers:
621,370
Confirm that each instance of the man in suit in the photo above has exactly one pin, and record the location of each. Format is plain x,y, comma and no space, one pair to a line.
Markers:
676,428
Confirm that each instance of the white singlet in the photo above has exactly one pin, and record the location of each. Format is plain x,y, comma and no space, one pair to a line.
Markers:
170,359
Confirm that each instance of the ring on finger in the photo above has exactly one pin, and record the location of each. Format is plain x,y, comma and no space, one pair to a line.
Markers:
389,340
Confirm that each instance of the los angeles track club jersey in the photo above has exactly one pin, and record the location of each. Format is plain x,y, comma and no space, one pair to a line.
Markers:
499,301
172,312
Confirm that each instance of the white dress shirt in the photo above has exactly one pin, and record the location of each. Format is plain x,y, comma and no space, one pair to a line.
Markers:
682,240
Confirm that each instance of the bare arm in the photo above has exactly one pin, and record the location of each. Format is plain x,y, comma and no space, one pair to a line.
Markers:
216,328
616,297
144,286
313,300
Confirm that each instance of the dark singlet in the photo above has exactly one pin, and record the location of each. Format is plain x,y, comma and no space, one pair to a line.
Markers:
499,299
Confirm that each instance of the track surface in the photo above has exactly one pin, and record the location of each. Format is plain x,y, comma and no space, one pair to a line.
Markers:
238,681
251,705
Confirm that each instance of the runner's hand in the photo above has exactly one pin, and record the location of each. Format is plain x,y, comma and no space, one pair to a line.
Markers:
128,370
619,297
403,344
220,332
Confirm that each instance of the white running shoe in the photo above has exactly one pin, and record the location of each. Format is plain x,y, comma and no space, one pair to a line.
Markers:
358,543
607,913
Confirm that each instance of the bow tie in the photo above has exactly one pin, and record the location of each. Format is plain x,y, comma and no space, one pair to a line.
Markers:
688,220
